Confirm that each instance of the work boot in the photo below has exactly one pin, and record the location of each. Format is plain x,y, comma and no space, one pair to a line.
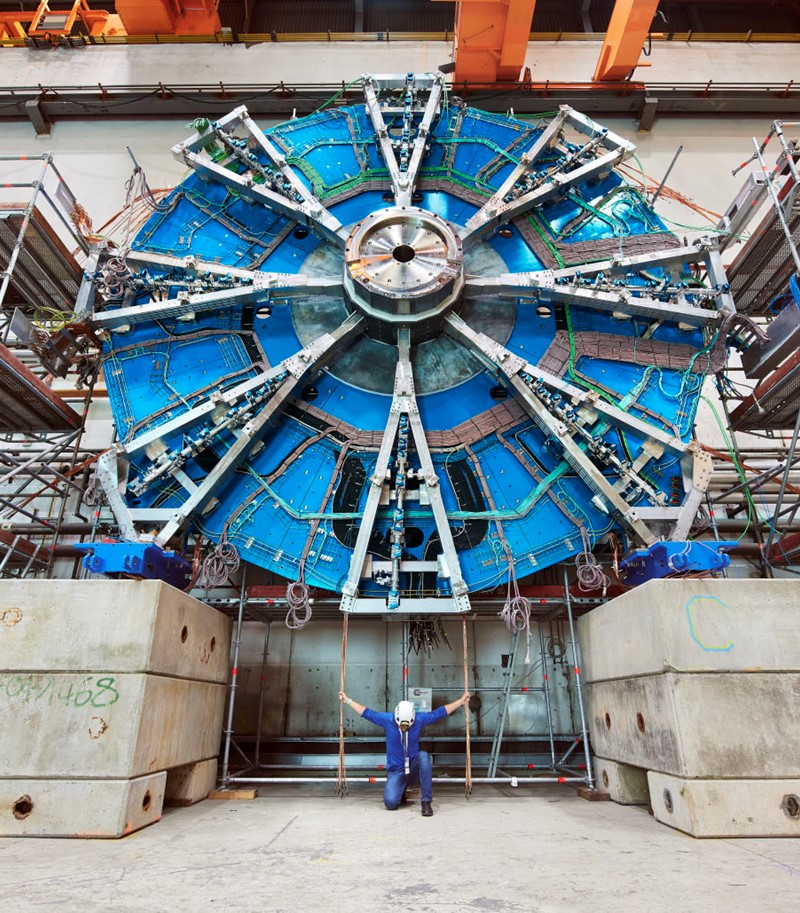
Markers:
427,811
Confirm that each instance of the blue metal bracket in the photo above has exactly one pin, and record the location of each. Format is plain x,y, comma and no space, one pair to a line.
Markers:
136,559
670,559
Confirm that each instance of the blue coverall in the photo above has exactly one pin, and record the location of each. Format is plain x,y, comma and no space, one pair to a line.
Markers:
401,745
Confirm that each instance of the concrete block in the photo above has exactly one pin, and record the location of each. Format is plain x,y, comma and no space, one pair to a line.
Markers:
79,808
190,783
738,725
626,785
105,725
693,626
111,626
727,808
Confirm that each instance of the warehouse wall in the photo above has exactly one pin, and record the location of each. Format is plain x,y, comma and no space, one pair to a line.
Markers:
303,669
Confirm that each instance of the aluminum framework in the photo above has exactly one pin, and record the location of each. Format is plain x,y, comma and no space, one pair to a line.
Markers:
567,761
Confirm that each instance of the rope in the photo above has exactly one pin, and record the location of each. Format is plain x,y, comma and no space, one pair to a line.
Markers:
341,774
590,575
468,771
220,563
299,602
94,495
516,613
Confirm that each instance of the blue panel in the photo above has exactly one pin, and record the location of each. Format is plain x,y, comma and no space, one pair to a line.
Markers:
296,503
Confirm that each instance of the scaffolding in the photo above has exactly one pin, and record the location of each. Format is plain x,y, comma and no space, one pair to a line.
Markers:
541,757
764,277
44,461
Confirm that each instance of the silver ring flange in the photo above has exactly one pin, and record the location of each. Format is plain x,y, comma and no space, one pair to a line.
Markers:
404,266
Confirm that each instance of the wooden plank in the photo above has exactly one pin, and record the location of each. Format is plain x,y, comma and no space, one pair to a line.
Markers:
592,795
233,794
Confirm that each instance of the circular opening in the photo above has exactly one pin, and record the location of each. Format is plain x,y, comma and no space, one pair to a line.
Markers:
668,800
147,801
184,634
791,806
263,312
23,807
505,233
605,779
403,253
310,393
543,311
608,721
300,233
498,392
213,644
416,196
640,722
414,537
387,197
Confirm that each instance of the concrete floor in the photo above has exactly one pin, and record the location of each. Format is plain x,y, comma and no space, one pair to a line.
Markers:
301,849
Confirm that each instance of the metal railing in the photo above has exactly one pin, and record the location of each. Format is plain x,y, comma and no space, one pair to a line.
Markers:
228,36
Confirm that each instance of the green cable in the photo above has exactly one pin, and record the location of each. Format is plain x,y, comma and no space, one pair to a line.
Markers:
550,246
581,381
333,97
716,231
751,507
644,176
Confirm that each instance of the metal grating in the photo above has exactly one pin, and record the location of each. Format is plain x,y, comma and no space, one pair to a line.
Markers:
27,404
412,16
45,274
774,403
759,276
557,16
286,16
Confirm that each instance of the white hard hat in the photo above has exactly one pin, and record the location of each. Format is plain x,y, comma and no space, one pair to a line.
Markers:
404,713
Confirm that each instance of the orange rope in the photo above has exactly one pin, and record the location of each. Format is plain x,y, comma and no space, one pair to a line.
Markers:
468,771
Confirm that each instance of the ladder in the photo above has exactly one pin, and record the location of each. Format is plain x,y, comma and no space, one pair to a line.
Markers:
508,676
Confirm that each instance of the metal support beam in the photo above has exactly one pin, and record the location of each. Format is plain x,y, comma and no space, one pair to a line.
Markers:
263,288
404,403
38,118
524,189
513,367
627,31
308,213
403,177
491,39
628,301
648,115
113,467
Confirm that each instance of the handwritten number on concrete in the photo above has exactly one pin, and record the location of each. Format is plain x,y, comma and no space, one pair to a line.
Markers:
25,689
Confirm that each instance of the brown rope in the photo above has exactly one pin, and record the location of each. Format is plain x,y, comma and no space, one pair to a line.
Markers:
468,771
341,775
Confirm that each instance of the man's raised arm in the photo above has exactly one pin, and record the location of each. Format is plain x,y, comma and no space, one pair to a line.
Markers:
450,708
359,708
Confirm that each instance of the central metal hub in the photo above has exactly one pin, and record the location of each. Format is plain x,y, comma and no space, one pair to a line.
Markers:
403,268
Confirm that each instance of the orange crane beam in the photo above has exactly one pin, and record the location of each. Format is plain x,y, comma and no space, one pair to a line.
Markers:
54,20
174,17
627,31
491,39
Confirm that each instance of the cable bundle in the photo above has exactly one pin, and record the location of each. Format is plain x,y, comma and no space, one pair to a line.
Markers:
221,562
112,280
590,575
93,494
516,612
424,634
297,598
